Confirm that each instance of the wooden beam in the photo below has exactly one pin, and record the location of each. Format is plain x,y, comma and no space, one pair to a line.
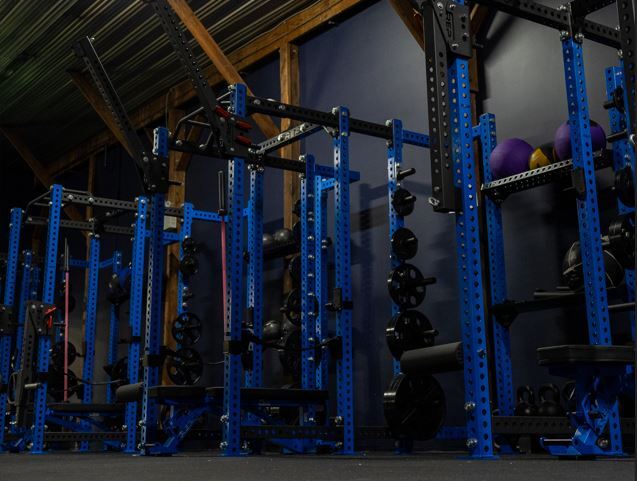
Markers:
175,198
225,67
291,30
40,171
411,18
96,101
290,94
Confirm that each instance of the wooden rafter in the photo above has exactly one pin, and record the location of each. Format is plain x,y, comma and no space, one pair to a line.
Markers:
39,170
290,30
411,19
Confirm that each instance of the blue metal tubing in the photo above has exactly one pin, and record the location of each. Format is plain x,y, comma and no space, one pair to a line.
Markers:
184,233
321,284
497,273
28,274
113,326
9,300
472,307
588,214
90,323
394,161
135,316
342,254
254,377
623,155
231,419
48,297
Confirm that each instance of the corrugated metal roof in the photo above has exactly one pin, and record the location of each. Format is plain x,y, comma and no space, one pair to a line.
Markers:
35,54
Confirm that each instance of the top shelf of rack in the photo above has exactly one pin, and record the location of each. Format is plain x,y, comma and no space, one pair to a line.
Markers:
500,189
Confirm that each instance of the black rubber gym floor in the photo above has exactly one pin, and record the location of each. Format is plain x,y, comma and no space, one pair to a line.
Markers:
203,466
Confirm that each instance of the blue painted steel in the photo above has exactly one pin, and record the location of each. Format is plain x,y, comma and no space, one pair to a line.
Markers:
343,281
10,281
90,324
587,208
35,283
78,263
254,376
113,327
308,275
415,138
394,160
48,297
135,316
28,275
184,233
470,269
623,155
497,273
329,173
205,215
108,262
170,238
321,284
231,418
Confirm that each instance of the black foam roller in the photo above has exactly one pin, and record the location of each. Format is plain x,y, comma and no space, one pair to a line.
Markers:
433,360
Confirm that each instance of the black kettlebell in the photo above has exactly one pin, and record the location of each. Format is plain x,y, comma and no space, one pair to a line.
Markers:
526,402
549,396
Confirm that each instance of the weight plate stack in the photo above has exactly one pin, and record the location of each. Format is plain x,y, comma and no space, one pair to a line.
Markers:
404,244
409,330
407,286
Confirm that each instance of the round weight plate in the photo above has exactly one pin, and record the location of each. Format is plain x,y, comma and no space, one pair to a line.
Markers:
404,244
186,329
621,237
118,289
57,355
403,202
407,286
290,355
188,265
409,330
415,407
185,367
294,267
55,384
625,187
190,246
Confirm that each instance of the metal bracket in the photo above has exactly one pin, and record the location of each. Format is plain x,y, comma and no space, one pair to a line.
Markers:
579,182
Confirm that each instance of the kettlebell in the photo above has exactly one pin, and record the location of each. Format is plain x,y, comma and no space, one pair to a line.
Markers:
526,402
549,396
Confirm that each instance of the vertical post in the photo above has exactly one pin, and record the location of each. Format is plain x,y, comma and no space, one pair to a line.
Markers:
254,377
113,328
623,156
308,274
48,297
231,444
470,269
587,209
29,277
135,316
184,233
394,160
320,285
13,257
152,335
342,253
90,324
497,273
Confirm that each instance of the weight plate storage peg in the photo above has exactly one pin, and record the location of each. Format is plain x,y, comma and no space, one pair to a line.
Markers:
415,407
185,367
407,286
186,329
409,330
404,244
403,202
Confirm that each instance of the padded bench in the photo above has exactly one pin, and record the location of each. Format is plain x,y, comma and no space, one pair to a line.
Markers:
585,354
134,392
86,408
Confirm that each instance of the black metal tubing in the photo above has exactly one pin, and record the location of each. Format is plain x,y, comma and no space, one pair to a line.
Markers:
288,137
86,226
554,18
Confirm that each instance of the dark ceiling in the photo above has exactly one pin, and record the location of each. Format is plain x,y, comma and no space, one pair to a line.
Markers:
36,92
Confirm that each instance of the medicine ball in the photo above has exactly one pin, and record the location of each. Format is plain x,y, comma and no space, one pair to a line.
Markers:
283,236
572,274
562,141
542,156
510,157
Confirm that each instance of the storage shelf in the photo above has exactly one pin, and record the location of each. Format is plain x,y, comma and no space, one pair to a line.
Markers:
500,189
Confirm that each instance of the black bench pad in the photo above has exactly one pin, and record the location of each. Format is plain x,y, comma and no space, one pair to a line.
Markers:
585,354
129,392
161,393
275,394
86,408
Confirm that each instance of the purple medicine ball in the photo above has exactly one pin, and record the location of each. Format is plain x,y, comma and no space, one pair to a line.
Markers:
510,157
563,140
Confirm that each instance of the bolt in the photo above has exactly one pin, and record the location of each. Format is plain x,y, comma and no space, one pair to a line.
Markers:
564,35
202,146
472,443
469,406
223,445
602,442
562,8
224,419
338,420
482,352
579,37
